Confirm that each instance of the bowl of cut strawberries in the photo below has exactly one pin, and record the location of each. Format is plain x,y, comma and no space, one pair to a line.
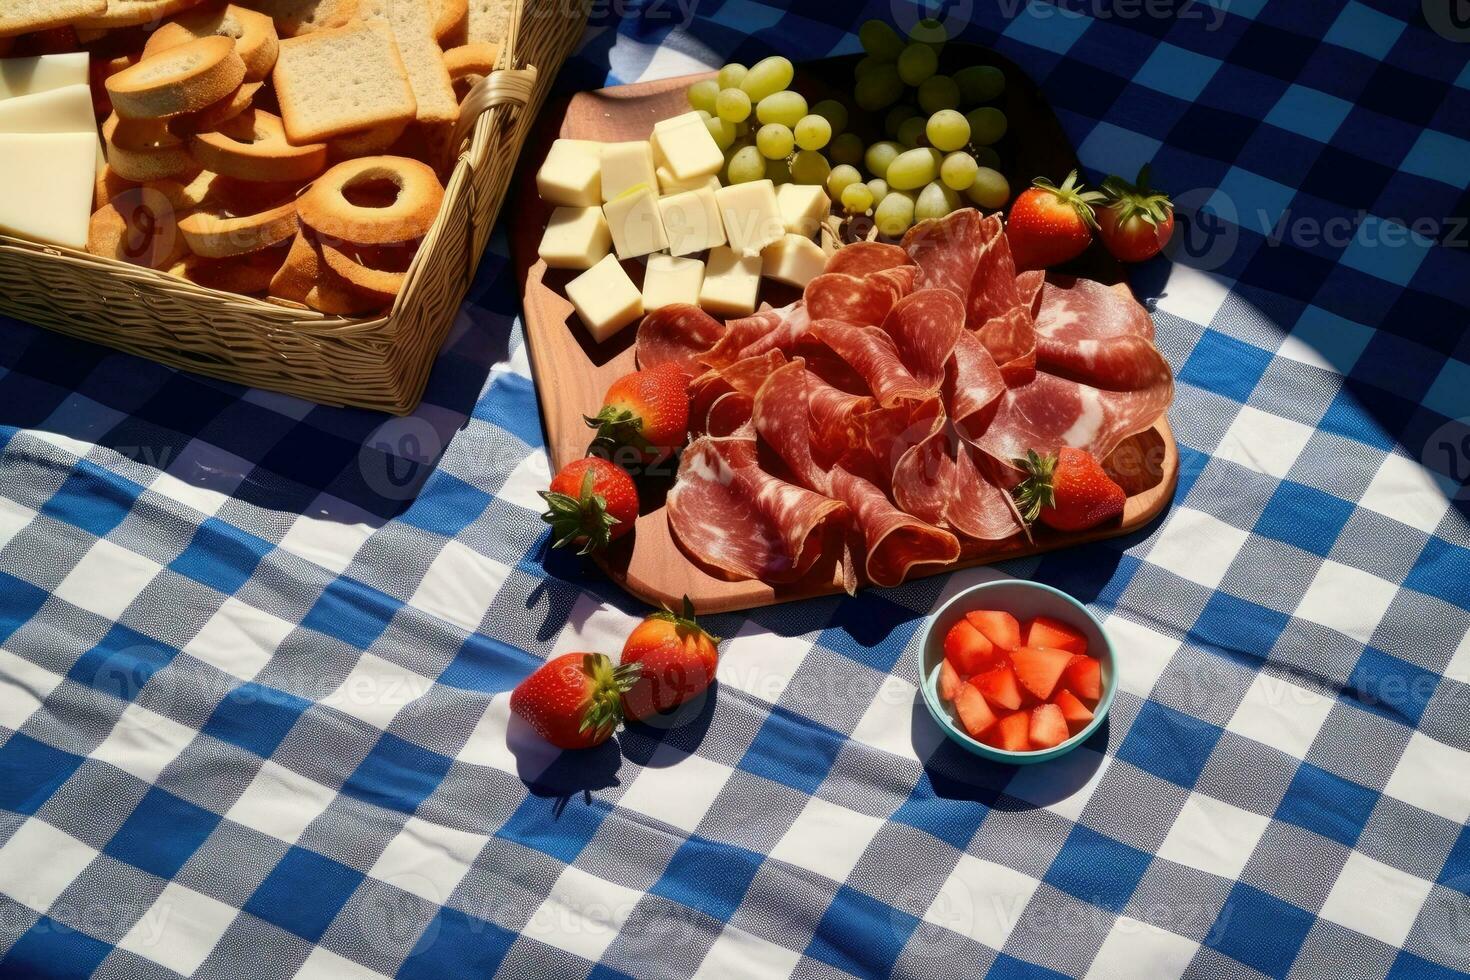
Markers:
1016,671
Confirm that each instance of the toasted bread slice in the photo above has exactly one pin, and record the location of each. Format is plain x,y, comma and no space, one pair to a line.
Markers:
412,25
131,13
297,17
488,20
24,16
341,80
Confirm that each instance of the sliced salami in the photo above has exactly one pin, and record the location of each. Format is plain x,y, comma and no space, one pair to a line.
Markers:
1028,286
838,296
1011,340
924,475
979,510
740,333
873,355
833,413
730,414
678,335
782,417
862,259
925,326
1080,309
901,280
975,384
788,335
895,541
947,249
743,376
993,288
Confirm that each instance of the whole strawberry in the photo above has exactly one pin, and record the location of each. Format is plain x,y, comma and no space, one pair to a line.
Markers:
675,659
1068,491
647,411
1050,225
1137,221
591,503
574,701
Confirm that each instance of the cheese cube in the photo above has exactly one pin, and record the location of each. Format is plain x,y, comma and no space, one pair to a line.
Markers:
692,221
731,283
576,238
605,298
751,216
686,147
27,76
669,184
803,208
59,110
571,176
668,280
625,166
636,226
795,260
48,180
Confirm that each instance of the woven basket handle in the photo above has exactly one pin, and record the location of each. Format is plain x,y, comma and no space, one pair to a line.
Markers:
507,86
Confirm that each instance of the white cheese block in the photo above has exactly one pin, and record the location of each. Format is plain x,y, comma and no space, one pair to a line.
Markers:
27,76
571,176
751,216
669,184
576,238
48,180
685,146
668,280
58,110
731,283
637,228
803,207
625,166
692,221
795,260
605,298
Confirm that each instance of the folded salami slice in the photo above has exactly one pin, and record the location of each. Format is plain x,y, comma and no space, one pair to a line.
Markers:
947,249
872,353
993,289
740,333
838,296
862,259
924,476
1011,340
975,384
782,418
1074,309
736,519
744,376
979,509
895,541
730,414
901,280
925,327
833,418
678,335
789,334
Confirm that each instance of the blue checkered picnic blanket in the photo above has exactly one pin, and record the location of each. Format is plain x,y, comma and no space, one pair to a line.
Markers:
255,655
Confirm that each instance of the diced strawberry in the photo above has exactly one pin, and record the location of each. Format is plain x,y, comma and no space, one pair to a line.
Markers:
1013,732
1000,687
1083,677
999,628
1048,727
1038,669
1076,713
1054,634
967,648
949,681
974,713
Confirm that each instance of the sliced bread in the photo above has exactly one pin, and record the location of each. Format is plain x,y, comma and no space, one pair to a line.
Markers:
297,17
131,13
24,16
488,20
412,25
341,80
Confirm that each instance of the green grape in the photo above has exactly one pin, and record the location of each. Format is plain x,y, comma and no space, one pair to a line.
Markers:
912,132
980,83
847,148
938,92
916,63
778,171
879,156
732,104
731,75
894,214
866,64
935,201
785,108
834,112
841,176
774,141
896,117
878,89
990,189
878,188
958,171
947,130
856,198
912,169
813,132
929,31
987,125
702,94
722,130
746,165
767,77
810,167
880,40
987,157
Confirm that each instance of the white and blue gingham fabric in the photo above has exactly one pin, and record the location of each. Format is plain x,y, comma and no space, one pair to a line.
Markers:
255,654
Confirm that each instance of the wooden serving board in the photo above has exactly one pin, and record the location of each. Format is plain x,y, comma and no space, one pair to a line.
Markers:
572,371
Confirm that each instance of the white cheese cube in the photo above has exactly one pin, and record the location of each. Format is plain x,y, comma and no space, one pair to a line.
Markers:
57,110
668,280
576,238
625,166
48,180
605,298
803,208
692,221
685,146
636,226
795,260
27,76
731,283
571,176
751,216
669,184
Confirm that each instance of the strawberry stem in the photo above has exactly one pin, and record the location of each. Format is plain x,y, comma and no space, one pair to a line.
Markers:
618,427
605,703
1035,493
584,517
1074,194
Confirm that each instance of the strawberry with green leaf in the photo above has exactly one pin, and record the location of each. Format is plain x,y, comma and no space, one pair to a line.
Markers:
574,701
591,503
675,659
1049,225
647,411
1136,221
1069,491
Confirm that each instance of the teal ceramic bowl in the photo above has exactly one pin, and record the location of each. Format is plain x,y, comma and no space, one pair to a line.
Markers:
1023,600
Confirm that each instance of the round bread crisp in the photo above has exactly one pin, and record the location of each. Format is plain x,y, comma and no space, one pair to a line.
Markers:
379,270
451,18
158,163
215,116
326,209
182,79
366,142
298,274
131,13
253,146
250,273
254,34
469,63
218,234
139,134
138,226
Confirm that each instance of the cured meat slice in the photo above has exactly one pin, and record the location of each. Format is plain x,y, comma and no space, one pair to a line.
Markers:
900,280
925,326
975,385
782,418
679,334
833,418
993,288
862,259
1011,340
878,442
788,334
838,296
730,413
733,517
740,333
895,541
923,477
947,249
1099,335
871,353
1028,285
743,376
979,509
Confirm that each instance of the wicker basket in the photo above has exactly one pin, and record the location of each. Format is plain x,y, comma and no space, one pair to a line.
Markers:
381,363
